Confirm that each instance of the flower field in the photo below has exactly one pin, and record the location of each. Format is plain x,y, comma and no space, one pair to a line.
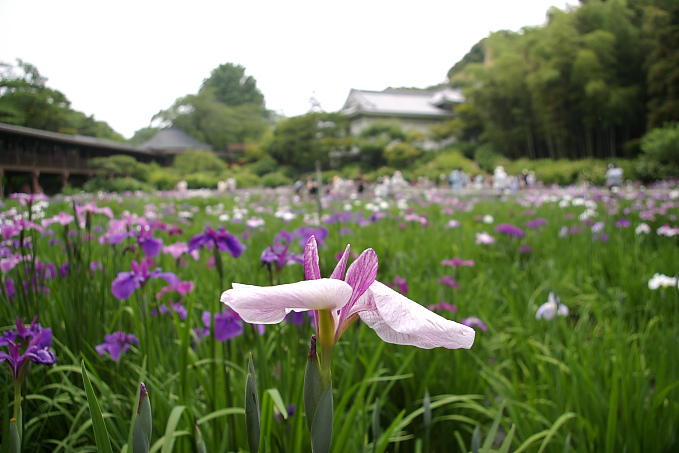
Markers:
571,293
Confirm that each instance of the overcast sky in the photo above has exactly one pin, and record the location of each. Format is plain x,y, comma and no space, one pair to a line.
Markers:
124,61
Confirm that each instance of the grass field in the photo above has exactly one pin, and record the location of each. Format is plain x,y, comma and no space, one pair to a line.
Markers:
602,378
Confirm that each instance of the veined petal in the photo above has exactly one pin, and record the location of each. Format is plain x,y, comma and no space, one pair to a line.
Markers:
399,320
338,273
311,269
270,304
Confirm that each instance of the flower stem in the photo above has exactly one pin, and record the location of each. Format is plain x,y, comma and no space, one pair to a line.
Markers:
326,337
17,405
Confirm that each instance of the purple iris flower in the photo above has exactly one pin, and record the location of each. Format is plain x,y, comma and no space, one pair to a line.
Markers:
473,321
525,249
150,245
38,349
27,199
441,306
224,241
176,307
285,237
91,208
280,256
457,262
227,325
622,223
400,283
291,412
116,344
126,282
62,218
536,223
296,317
510,230
448,280
9,287
304,233
183,288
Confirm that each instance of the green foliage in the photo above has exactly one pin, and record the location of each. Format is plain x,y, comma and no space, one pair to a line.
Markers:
198,161
232,87
201,181
581,86
488,158
143,135
302,140
246,179
662,145
228,108
118,185
263,166
275,179
444,162
26,100
401,154
164,178
661,153
120,165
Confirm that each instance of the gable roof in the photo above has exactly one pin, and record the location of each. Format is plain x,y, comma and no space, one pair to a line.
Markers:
82,140
172,140
402,102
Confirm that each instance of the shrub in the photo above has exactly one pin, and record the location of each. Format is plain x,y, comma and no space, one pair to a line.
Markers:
198,161
662,145
201,181
164,178
488,158
246,179
263,166
401,154
275,180
99,184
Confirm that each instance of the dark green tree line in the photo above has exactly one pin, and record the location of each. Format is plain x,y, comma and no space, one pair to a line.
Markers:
585,85
26,100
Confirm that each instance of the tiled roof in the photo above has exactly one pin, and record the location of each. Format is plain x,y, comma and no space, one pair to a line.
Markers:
172,139
398,102
68,138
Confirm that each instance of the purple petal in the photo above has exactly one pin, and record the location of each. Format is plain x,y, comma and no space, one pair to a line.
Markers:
338,273
124,285
311,269
152,247
269,305
360,276
399,320
198,241
233,245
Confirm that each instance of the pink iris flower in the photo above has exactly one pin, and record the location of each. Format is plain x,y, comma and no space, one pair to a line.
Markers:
340,300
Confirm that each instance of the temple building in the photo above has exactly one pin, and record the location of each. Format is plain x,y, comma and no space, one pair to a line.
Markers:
412,109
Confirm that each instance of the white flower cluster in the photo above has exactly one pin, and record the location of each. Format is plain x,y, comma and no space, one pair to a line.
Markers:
660,280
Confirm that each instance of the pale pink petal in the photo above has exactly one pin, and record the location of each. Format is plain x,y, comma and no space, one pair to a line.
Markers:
270,304
311,269
399,320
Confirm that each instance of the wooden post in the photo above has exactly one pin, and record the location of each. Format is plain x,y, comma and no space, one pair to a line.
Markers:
64,180
34,181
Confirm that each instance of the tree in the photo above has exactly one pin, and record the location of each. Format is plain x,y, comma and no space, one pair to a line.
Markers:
230,86
302,140
228,108
26,100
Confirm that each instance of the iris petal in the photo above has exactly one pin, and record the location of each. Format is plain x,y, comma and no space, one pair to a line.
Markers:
399,320
270,304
